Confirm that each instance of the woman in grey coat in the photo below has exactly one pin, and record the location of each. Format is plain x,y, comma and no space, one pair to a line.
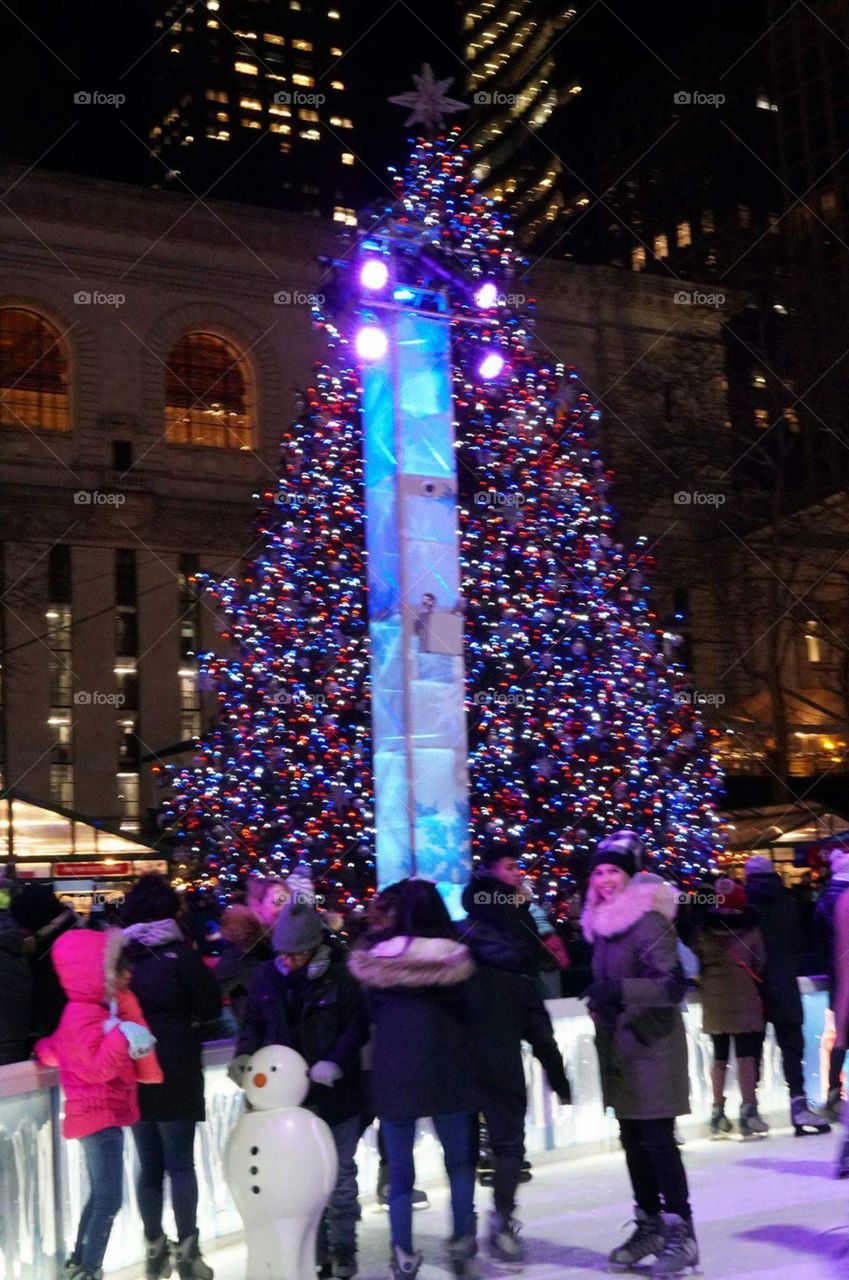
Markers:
634,1000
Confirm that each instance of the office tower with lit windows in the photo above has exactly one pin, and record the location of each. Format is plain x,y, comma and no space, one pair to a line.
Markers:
517,87
251,104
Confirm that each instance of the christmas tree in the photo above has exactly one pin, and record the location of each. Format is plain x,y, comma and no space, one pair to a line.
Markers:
578,720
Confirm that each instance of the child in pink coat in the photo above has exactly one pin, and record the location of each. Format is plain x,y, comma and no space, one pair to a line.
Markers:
103,1049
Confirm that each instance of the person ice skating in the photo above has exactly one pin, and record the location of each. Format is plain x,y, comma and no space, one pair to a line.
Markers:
43,919
732,958
776,916
634,1000
15,985
306,1000
281,1215
824,931
178,995
416,976
103,1049
841,1007
501,934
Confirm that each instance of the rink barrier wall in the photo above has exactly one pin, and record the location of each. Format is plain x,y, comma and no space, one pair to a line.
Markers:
42,1181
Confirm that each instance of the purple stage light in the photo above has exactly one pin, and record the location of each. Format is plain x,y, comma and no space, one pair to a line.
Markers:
374,274
490,366
371,342
486,295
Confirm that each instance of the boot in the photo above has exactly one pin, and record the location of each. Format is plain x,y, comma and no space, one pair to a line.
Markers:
462,1254
403,1266
647,1238
190,1265
720,1125
751,1125
344,1264
680,1251
842,1167
157,1256
503,1240
527,1171
806,1120
832,1106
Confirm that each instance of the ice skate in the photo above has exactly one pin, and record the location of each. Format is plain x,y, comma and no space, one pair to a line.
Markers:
720,1125
833,1105
841,1169
647,1238
680,1252
804,1119
462,1255
503,1241
344,1262
190,1264
751,1125
403,1266
158,1263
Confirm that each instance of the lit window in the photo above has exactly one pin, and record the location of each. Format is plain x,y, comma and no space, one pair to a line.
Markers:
33,372
791,418
270,76
813,643
341,122
276,127
245,68
765,103
708,224
336,53
275,109
683,235
304,45
661,247
207,393
176,48
295,5
285,147
307,113
215,95
638,259
758,378
310,135
348,216
245,35
271,38
218,135
347,157
304,82
744,215
761,418
333,14
223,116
250,104
248,123
213,23
336,84
213,4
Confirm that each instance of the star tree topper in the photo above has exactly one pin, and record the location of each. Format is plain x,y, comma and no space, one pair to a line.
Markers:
429,102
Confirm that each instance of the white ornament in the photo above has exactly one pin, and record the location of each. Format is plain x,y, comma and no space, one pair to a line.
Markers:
429,103
280,1165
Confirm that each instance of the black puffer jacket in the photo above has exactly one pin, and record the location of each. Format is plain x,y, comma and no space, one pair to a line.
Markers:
422,1030
178,996
320,1012
824,927
15,994
778,920
507,1006
48,998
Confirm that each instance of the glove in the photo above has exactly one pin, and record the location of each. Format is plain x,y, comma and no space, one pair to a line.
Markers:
605,995
325,1072
139,1038
236,1069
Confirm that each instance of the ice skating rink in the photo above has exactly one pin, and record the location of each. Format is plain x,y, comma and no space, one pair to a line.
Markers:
768,1209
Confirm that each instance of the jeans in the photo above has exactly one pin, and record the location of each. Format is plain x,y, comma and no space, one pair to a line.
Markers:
104,1160
166,1147
338,1229
505,1120
655,1165
454,1131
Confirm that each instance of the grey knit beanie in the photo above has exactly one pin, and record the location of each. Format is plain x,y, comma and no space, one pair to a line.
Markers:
298,928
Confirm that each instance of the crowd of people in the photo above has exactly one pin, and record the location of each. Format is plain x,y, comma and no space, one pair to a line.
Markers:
402,1014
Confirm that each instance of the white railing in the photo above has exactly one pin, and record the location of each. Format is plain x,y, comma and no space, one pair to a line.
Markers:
42,1182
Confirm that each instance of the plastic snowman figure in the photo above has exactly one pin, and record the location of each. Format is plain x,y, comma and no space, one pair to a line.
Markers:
280,1165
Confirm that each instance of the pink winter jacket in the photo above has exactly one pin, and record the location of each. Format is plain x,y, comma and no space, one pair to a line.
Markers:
97,1074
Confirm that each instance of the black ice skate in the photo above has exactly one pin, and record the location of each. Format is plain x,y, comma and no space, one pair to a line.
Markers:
190,1264
503,1241
403,1266
648,1238
344,1262
720,1125
833,1105
751,1125
158,1264
680,1252
462,1254
804,1119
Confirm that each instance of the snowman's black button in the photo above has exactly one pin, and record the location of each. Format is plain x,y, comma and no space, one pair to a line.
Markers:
254,1169
255,1190
254,1151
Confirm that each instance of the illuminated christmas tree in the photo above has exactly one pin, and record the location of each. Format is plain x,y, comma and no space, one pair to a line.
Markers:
577,720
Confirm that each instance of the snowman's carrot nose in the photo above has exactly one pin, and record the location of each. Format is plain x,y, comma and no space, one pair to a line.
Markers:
260,1080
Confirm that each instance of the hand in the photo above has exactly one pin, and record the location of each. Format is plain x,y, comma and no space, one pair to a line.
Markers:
325,1072
139,1038
236,1069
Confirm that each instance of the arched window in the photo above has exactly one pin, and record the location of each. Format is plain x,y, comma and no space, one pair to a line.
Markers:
207,398
33,372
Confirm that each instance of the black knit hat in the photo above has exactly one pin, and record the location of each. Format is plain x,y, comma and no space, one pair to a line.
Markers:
623,849
36,906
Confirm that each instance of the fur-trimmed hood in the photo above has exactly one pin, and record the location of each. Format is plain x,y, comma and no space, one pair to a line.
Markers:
412,962
644,893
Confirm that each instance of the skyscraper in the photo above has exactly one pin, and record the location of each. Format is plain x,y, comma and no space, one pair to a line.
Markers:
250,98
